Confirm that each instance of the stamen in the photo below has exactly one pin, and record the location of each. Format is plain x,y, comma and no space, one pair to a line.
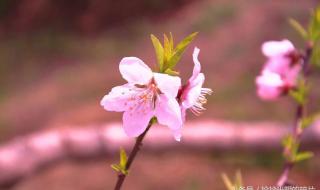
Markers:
197,108
144,99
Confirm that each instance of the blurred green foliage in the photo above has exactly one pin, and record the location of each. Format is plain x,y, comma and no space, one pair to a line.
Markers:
214,16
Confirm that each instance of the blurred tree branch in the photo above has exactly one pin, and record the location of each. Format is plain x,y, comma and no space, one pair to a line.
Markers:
25,155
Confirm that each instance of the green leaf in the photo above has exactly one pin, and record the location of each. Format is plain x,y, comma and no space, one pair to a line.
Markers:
303,156
297,96
237,184
171,41
123,158
227,182
159,51
291,146
315,58
300,94
287,141
314,25
307,121
167,48
179,50
297,26
171,72
116,167
121,167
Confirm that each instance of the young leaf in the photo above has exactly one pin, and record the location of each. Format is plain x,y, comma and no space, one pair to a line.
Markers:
300,94
116,167
171,72
123,158
171,41
307,121
314,25
297,26
179,50
303,156
167,48
159,51
227,182
315,58
238,179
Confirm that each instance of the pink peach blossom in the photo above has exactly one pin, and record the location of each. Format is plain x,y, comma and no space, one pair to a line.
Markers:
279,54
146,95
192,95
281,71
270,85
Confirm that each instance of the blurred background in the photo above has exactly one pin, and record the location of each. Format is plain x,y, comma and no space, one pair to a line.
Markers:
59,58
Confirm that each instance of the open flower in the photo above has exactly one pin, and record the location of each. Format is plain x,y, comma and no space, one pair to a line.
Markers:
146,95
192,95
281,70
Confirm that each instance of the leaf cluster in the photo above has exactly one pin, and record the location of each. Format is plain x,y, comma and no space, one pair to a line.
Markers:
235,184
311,34
292,154
121,167
169,55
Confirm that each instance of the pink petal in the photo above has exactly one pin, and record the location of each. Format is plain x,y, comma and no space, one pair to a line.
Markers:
279,64
135,121
197,65
119,98
292,75
268,93
269,78
192,91
135,71
277,48
169,85
269,85
177,135
168,112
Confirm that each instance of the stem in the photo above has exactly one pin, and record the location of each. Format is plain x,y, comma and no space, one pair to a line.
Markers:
297,131
135,150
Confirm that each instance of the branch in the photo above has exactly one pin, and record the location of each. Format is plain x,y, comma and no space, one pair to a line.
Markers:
135,150
300,114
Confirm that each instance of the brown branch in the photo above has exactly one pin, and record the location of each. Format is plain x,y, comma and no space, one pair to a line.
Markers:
300,113
135,150
25,155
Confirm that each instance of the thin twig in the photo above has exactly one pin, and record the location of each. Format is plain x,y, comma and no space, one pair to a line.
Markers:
300,112
135,150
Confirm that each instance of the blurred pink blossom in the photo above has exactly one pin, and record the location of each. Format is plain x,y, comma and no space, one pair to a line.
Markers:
280,72
146,95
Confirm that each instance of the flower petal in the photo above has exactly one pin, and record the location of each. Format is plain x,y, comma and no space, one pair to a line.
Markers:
197,65
192,91
135,121
119,99
135,71
292,75
168,112
269,85
278,64
177,135
169,85
277,48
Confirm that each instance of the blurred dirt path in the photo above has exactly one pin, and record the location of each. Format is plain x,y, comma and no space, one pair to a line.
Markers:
25,155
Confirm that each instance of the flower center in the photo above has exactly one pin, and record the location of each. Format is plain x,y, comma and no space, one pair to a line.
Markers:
148,96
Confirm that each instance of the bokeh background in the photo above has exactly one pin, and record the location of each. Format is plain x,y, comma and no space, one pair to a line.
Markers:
58,58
